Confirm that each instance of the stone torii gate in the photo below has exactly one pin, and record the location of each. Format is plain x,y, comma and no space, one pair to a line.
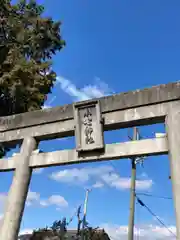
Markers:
87,121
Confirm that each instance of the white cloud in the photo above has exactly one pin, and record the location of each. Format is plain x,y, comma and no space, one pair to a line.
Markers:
56,200
3,197
98,185
26,231
96,90
38,170
32,198
144,184
69,175
79,175
46,106
148,232
102,175
99,89
48,103
114,180
68,87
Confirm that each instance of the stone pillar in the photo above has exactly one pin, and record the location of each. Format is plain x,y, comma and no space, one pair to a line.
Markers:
173,135
18,192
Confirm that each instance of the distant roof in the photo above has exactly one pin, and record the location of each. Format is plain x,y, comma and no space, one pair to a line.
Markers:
24,237
70,235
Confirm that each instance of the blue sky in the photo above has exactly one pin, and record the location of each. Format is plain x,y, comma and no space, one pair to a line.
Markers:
112,46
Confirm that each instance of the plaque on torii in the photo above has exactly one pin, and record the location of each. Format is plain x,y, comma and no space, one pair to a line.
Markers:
88,126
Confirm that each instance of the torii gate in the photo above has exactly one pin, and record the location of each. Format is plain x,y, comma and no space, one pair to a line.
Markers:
87,121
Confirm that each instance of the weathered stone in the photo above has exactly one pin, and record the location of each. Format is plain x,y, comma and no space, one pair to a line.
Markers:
18,193
157,94
173,126
88,126
145,147
112,120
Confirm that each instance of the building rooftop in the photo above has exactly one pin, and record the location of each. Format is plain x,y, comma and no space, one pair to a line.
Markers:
47,235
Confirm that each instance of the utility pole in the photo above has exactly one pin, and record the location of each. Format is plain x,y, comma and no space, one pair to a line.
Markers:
85,212
133,188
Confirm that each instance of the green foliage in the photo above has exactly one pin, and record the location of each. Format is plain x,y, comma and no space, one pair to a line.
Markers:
28,40
27,43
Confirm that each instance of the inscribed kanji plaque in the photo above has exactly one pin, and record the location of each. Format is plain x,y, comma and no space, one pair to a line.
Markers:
88,128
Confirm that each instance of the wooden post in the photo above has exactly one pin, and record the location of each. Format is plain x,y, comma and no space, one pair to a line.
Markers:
132,193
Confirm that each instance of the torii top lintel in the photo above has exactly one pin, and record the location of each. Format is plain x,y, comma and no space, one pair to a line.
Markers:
154,95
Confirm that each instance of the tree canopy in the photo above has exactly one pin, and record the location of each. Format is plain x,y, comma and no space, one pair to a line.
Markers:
28,41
